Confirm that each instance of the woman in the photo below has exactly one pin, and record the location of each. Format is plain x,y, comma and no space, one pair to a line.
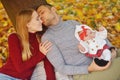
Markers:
24,49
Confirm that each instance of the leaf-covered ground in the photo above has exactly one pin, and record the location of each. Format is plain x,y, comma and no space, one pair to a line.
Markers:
91,12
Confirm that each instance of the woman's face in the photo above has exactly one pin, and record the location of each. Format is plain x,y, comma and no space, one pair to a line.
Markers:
35,23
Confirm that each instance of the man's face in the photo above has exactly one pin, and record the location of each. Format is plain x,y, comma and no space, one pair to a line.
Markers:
46,14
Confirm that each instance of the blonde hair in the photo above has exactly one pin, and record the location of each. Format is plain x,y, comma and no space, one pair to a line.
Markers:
22,18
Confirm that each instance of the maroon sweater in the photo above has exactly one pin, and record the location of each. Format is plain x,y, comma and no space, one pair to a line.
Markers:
15,67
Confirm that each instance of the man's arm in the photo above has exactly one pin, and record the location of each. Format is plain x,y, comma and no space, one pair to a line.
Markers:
57,59
94,67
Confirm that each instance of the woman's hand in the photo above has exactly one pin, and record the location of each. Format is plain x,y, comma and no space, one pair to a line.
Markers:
45,47
93,67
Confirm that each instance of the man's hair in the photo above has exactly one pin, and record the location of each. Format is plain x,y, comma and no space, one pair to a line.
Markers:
46,5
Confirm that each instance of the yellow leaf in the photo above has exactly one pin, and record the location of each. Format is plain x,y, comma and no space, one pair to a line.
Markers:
98,16
50,1
117,27
79,12
67,17
71,1
114,10
104,23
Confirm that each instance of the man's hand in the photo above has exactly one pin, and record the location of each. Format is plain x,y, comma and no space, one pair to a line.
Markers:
113,52
81,48
93,67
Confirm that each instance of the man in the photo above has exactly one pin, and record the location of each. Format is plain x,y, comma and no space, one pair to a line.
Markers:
65,55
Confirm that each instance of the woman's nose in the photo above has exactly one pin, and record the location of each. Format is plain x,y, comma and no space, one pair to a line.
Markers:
41,21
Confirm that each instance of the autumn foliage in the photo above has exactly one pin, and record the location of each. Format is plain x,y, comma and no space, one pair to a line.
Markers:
91,12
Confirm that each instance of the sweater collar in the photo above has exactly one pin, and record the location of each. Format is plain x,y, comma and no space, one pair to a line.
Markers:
57,26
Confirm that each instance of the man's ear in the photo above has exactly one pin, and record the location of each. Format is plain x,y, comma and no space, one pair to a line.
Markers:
53,9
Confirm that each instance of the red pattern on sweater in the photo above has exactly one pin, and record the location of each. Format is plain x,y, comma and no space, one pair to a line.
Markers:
17,68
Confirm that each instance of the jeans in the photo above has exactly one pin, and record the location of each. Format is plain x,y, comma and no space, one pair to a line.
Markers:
7,77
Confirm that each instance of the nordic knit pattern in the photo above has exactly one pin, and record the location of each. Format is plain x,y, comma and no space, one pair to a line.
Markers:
65,55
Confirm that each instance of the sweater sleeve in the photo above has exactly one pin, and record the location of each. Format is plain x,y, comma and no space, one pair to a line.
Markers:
56,58
15,53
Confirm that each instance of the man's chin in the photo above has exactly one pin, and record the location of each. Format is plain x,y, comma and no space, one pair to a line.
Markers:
44,24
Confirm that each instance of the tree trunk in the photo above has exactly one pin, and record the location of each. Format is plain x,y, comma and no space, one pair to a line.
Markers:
14,6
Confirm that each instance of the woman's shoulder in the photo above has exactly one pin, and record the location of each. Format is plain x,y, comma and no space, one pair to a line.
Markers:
13,36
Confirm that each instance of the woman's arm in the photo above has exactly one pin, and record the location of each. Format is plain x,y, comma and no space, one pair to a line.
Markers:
15,52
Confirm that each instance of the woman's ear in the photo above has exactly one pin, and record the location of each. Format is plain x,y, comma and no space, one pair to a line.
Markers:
28,24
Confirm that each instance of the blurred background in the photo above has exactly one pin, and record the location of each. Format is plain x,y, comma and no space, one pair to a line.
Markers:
91,12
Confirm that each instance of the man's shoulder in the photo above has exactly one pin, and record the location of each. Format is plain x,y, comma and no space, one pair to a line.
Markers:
46,35
73,22
70,21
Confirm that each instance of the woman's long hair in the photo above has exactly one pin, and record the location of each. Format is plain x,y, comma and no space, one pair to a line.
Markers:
22,18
